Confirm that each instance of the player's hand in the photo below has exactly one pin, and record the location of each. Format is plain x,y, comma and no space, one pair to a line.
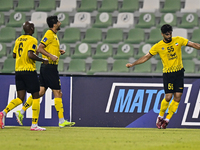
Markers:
53,57
129,65
45,61
62,51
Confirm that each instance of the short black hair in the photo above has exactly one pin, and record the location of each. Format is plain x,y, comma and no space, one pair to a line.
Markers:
166,28
51,20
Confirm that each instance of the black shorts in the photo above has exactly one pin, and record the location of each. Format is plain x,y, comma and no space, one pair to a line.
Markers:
27,80
174,82
49,77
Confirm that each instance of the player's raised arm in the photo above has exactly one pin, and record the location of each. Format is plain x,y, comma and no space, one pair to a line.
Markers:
140,60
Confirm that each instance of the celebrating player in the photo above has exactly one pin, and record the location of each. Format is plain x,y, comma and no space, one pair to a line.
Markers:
169,50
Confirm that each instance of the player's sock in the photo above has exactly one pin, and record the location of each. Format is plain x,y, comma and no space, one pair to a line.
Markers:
28,104
172,109
61,120
59,107
14,103
163,107
36,110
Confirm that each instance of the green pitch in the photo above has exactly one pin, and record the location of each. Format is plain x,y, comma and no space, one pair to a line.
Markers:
88,138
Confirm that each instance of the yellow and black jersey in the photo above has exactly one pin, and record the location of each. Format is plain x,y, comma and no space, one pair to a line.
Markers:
51,41
170,53
23,44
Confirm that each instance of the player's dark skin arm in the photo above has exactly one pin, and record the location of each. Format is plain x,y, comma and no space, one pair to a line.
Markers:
33,56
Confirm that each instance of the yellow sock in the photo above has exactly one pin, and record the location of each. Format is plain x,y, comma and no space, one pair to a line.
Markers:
14,103
163,107
36,110
59,107
172,109
28,103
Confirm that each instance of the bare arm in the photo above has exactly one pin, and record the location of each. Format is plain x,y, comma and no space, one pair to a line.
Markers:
14,55
140,60
44,52
194,45
62,51
34,56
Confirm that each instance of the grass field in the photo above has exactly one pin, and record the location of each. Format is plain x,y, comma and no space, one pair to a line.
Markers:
95,138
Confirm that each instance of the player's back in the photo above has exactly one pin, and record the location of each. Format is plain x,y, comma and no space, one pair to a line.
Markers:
23,44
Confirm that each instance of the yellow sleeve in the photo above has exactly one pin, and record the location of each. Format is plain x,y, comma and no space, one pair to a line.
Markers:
47,38
153,50
33,45
185,41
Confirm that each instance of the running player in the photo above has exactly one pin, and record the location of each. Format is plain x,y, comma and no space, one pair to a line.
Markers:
25,75
49,76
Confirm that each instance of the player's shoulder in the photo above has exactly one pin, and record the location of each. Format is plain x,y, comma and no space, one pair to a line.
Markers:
178,38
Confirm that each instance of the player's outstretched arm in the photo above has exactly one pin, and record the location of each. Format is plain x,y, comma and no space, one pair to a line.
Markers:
194,45
34,56
140,60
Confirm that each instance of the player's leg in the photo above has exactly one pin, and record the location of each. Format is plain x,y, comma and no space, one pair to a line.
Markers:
29,101
36,112
60,110
163,107
178,86
14,103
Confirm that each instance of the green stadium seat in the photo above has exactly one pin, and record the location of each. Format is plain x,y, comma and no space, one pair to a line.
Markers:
87,6
124,51
82,51
8,65
195,36
76,65
135,36
114,35
16,19
189,66
47,5
103,51
99,65
154,36
189,20
129,6
61,65
143,50
25,5
159,67
63,17
6,5
188,52
108,6
103,20
93,35
3,50
2,18
65,47
7,34
168,18
171,6
120,66
35,34
74,35
143,68
146,20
